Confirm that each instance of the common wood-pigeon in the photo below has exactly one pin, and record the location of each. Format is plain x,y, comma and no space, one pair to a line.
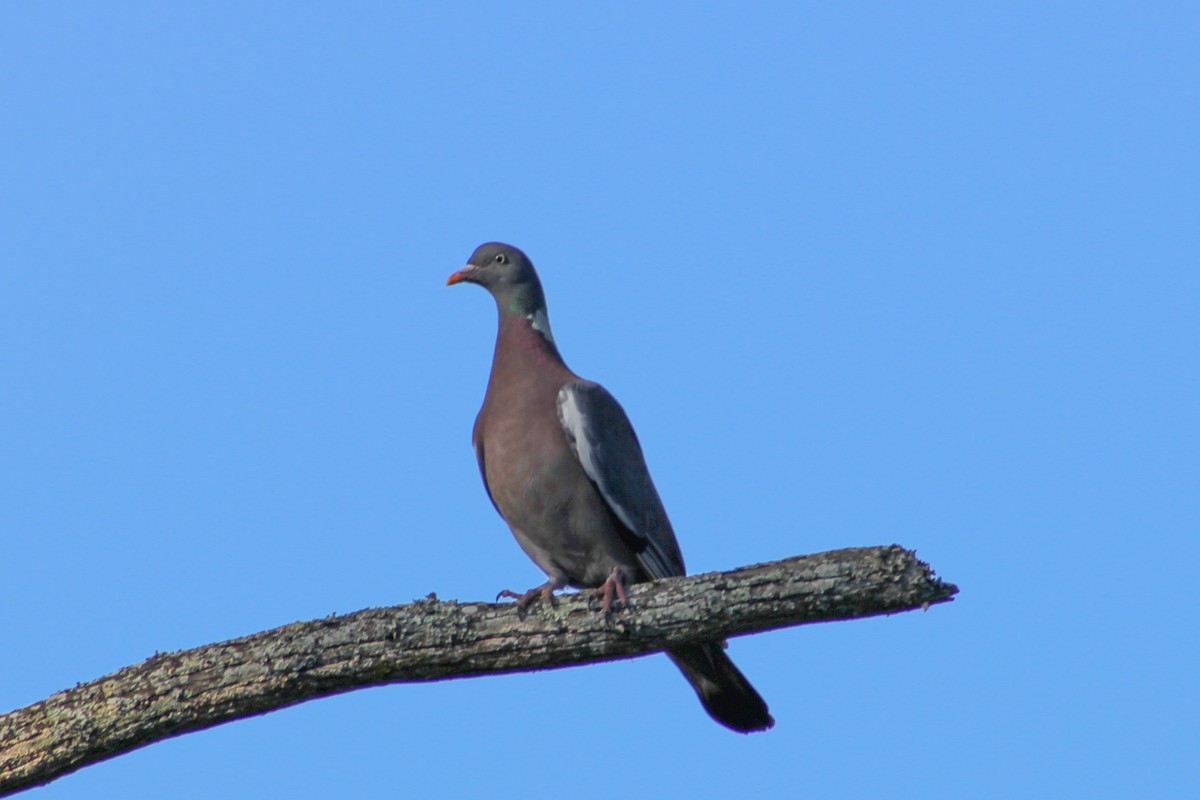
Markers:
562,465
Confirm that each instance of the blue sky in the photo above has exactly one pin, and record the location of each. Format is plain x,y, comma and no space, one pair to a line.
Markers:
860,274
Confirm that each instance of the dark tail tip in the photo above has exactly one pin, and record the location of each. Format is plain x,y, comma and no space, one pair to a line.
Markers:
723,690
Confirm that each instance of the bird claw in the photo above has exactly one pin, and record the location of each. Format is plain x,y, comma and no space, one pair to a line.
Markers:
614,585
545,591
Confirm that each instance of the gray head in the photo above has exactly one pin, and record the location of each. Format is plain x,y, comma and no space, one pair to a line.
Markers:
508,274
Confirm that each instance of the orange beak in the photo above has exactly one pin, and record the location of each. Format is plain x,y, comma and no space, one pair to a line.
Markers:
460,276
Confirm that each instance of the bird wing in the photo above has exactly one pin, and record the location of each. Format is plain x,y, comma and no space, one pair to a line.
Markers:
603,440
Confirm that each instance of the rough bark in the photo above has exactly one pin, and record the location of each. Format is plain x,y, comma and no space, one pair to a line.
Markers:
175,693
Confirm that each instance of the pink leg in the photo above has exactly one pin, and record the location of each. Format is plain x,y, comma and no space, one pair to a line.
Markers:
615,584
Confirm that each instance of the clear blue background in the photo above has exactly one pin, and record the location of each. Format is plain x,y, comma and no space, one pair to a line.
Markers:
861,274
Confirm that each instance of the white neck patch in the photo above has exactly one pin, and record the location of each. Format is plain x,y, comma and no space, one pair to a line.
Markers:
541,323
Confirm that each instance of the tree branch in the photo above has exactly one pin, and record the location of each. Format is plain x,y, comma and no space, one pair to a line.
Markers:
175,693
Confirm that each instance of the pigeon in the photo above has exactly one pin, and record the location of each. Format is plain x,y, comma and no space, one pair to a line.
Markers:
562,465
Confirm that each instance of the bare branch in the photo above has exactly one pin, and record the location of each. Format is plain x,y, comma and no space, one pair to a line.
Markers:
175,693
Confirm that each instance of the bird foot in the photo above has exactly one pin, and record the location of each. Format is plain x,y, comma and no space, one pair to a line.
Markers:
615,585
545,591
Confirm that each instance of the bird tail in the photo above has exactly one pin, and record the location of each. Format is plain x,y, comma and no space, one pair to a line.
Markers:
723,690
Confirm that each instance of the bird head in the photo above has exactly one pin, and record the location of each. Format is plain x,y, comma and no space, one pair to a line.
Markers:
508,274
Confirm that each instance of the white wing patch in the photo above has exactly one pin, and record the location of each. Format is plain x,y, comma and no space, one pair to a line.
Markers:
572,419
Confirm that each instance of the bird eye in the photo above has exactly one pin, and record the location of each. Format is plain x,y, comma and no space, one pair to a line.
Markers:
500,258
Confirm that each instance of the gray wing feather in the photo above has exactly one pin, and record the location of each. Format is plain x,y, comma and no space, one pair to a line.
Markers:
605,444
